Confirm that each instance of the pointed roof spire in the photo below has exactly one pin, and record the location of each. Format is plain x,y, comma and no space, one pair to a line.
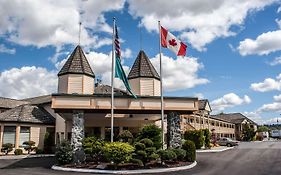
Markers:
142,67
77,63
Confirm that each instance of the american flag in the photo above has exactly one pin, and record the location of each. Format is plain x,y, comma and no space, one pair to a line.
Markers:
117,44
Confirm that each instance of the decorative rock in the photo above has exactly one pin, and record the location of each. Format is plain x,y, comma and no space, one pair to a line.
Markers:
173,130
77,136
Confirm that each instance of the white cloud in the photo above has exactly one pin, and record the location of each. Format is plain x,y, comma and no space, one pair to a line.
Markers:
228,101
271,107
127,53
277,98
255,116
279,9
199,95
264,44
278,22
27,82
4,49
276,61
199,22
44,22
268,84
180,73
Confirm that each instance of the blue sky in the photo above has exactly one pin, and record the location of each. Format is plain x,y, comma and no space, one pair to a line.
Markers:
233,55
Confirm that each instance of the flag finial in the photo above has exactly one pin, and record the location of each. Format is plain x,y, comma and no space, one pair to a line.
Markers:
79,37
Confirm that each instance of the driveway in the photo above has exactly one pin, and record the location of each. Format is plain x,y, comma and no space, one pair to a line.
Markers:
258,158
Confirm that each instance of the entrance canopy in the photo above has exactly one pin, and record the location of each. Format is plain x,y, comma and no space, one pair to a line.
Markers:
101,103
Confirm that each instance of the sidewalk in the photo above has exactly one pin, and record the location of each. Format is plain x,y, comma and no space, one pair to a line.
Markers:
214,149
8,157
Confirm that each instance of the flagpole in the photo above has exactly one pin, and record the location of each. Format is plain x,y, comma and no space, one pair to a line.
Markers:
112,81
161,87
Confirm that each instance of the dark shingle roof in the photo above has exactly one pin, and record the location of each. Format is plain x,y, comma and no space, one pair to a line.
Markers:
142,67
27,113
236,118
9,103
202,104
105,89
39,100
77,63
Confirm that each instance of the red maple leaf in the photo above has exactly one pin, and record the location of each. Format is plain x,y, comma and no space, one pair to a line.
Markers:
173,42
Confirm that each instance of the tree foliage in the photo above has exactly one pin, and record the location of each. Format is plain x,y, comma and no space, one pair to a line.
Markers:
118,152
64,153
151,132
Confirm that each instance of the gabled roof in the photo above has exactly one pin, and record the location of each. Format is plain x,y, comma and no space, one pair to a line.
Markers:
39,100
27,113
106,89
203,104
9,103
236,118
77,63
142,67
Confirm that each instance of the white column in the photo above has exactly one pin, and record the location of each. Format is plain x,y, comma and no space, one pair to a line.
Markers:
102,132
17,136
1,135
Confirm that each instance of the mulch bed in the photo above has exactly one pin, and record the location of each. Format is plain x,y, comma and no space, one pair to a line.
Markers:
128,166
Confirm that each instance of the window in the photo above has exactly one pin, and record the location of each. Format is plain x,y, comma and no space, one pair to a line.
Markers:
24,134
9,135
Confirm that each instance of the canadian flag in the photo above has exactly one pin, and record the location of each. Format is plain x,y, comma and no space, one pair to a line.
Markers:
169,41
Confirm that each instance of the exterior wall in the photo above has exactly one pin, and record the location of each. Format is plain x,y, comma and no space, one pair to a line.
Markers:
60,128
145,86
185,105
135,85
105,122
88,85
37,133
63,84
222,128
75,84
156,87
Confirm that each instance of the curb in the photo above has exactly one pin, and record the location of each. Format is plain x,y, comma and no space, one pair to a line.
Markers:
214,151
158,170
25,156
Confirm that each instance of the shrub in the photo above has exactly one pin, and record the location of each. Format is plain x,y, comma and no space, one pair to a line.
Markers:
93,147
259,137
64,153
190,149
167,155
7,147
248,133
144,151
207,137
181,153
137,161
118,152
139,146
29,146
196,136
39,151
18,152
48,143
125,136
147,142
151,132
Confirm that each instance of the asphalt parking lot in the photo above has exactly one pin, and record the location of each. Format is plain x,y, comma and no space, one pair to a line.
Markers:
257,158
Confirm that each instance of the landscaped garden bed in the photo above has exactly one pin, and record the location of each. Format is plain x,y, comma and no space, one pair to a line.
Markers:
140,153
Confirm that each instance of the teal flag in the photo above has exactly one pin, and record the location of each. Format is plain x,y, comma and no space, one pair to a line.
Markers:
119,71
